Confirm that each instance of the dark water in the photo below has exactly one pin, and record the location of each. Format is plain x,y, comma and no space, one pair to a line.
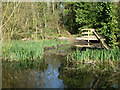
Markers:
46,77
50,75
54,72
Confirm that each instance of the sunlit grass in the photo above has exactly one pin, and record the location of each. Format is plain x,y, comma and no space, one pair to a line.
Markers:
32,50
96,54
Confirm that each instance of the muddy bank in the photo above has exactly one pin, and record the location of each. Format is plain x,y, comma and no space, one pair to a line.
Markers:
81,42
58,46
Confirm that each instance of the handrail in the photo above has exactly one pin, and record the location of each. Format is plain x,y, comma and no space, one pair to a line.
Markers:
88,37
101,40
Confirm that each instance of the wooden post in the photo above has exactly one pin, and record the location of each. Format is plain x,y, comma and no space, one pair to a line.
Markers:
88,38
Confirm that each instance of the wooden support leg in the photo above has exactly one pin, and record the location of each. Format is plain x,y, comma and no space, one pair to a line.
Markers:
88,42
88,38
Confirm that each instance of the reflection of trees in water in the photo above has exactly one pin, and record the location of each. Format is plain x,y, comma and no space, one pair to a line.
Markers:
75,78
29,73
23,74
100,76
50,78
54,59
25,64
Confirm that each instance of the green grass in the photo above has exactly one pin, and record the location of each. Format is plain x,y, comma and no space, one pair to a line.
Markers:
19,50
96,54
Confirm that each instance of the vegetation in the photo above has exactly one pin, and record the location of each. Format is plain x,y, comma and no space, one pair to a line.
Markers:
28,28
31,50
98,15
30,20
92,76
96,54
42,20
16,72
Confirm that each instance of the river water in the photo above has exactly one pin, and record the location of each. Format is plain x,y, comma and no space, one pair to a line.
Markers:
54,72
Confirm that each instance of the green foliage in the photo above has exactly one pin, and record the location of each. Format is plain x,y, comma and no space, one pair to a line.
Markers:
69,17
106,21
118,19
85,14
94,54
102,16
31,50
40,20
24,64
32,20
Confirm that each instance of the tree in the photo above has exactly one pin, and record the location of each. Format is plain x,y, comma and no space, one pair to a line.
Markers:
106,21
85,14
69,17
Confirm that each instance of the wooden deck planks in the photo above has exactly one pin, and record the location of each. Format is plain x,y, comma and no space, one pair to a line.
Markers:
84,45
85,38
87,33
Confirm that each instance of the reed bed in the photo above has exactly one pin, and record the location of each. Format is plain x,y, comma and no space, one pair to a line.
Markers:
32,50
96,54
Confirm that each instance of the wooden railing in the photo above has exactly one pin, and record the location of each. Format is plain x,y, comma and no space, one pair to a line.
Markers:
91,34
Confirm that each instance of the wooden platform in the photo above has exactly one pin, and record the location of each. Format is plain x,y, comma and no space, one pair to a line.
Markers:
87,34
91,34
87,38
84,45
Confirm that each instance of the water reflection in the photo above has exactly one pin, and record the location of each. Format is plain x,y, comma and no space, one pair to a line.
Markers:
45,75
55,72
87,77
50,77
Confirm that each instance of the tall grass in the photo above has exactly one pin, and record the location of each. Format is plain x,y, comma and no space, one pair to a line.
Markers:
19,50
97,54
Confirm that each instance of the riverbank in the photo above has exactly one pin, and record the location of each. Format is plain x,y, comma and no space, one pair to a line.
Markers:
20,50
56,63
